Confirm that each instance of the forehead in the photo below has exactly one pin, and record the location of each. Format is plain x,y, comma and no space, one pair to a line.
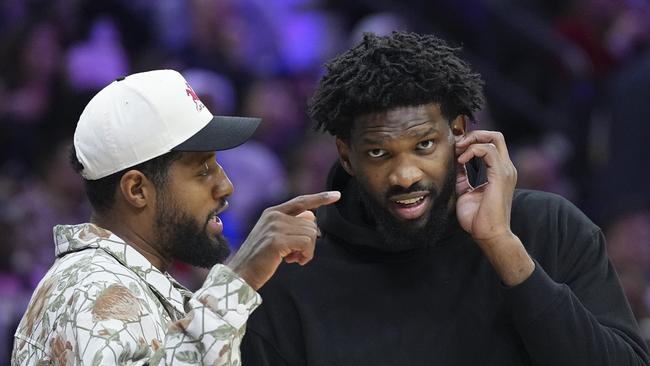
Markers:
401,122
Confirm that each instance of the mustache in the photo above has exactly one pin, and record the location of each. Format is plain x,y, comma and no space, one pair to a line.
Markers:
416,187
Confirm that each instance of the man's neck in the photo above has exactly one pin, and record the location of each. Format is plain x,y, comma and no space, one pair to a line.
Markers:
133,237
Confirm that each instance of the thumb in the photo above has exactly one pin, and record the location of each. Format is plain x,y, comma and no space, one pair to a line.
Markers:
307,215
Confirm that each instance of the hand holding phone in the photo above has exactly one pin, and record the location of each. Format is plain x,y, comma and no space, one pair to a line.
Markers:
485,184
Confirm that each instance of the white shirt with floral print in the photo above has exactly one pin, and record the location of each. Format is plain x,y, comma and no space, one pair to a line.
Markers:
103,303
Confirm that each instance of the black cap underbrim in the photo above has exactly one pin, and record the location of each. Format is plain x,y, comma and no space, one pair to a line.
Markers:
221,133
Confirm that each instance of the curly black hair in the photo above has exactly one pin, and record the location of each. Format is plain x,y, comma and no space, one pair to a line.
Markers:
402,69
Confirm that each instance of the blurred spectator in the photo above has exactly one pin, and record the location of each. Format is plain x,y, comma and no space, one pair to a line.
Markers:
234,37
629,32
95,62
284,122
305,38
172,23
585,23
12,13
55,194
623,144
541,166
309,163
608,31
628,246
29,88
379,23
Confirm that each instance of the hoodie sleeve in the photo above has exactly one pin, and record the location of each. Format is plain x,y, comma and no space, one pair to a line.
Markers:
574,312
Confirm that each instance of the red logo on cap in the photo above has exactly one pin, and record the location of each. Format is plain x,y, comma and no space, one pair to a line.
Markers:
195,98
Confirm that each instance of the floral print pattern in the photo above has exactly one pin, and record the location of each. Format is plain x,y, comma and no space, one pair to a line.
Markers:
103,303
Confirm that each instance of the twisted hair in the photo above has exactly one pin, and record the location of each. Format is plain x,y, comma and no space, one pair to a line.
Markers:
402,69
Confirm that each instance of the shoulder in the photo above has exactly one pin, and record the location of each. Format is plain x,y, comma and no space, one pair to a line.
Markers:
536,209
535,200
73,287
81,279
555,232
94,267
90,300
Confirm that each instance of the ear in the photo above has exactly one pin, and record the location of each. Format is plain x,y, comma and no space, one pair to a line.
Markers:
459,126
136,189
344,155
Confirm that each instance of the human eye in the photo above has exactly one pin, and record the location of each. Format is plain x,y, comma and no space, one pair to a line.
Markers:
425,145
205,170
376,153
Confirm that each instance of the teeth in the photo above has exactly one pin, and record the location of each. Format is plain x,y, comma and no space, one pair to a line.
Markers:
410,201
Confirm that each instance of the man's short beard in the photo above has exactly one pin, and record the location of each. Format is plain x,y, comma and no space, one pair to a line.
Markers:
182,238
403,235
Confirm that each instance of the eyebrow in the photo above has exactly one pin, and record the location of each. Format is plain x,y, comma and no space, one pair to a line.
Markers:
203,158
383,138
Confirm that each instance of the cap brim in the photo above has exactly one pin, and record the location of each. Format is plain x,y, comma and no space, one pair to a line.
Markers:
221,133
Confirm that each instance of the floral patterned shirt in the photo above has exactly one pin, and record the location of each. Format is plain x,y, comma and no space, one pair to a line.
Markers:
103,303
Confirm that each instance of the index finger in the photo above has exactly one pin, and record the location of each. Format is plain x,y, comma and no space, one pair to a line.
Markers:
306,202
484,137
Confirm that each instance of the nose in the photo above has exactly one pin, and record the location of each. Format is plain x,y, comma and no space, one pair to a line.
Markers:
223,186
404,173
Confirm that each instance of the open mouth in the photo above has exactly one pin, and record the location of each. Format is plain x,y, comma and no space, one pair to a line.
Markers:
410,201
410,207
214,224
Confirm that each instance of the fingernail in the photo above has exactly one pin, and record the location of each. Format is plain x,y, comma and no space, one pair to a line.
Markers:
333,194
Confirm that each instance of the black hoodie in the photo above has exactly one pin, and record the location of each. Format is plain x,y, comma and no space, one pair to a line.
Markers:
359,303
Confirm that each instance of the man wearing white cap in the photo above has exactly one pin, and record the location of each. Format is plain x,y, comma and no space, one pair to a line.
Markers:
145,146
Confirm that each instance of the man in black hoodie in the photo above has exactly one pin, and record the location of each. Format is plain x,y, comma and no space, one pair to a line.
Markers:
417,265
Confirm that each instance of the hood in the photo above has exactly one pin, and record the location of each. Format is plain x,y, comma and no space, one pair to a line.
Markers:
346,219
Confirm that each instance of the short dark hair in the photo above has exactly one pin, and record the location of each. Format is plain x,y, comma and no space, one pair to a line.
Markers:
101,192
402,69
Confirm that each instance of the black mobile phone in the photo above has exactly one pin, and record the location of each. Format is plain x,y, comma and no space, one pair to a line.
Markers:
476,172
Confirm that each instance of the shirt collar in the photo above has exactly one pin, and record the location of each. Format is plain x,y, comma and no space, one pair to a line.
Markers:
73,238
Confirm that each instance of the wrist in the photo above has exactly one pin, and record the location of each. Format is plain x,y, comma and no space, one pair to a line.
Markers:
508,257
494,242
249,279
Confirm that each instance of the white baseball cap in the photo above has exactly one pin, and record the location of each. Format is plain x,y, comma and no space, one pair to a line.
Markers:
141,116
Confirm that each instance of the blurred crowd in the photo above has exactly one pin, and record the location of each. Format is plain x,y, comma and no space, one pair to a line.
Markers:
567,82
